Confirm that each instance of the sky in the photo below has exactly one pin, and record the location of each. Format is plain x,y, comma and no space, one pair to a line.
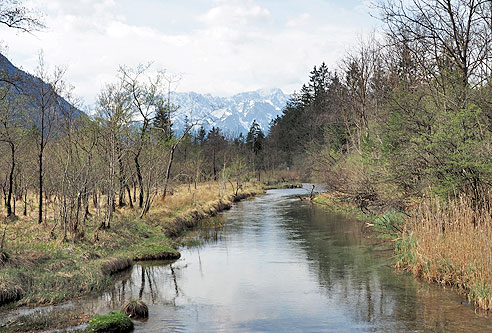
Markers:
220,47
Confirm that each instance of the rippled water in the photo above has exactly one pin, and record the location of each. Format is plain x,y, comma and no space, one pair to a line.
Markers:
282,265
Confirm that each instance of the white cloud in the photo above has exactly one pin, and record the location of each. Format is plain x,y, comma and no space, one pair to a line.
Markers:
236,12
299,20
223,48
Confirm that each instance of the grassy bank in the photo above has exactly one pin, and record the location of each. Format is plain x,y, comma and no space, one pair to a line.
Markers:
282,179
339,203
38,268
282,185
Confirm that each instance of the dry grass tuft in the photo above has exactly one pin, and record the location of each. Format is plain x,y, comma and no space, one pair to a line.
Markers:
451,243
11,286
136,310
114,265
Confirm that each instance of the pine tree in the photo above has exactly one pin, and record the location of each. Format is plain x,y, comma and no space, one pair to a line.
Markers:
255,138
162,121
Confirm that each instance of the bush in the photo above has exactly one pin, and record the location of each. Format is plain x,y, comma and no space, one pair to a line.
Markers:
111,322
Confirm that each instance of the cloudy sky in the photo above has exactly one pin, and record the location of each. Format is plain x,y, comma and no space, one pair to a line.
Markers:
219,46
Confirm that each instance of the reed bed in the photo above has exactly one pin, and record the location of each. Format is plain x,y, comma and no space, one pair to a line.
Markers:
450,242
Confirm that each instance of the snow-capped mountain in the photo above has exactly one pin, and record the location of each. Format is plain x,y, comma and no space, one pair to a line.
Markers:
233,115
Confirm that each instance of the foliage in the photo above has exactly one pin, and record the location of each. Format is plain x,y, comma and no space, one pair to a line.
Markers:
390,224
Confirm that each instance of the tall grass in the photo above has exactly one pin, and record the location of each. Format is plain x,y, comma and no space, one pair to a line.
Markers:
450,242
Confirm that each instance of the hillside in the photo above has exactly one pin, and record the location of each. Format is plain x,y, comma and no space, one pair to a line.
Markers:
26,83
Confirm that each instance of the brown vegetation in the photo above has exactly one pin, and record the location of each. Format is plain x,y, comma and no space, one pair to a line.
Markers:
136,309
450,243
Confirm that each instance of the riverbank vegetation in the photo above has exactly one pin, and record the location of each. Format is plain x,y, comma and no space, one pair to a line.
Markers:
41,269
402,129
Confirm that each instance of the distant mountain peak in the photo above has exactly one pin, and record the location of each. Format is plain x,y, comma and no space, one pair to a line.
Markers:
234,114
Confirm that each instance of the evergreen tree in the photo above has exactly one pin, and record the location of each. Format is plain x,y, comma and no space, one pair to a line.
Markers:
162,121
255,138
200,136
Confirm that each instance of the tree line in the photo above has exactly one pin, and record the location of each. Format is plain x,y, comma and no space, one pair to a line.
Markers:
405,114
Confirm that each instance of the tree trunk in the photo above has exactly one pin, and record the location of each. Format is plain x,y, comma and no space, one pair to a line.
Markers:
40,208
140,182
168,171
215,168
11,181
121,195
25,202
129,195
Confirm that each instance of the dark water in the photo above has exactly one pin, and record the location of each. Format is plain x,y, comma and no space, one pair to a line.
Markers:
282,265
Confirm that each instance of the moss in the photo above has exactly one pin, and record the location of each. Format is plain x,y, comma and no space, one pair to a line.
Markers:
111,322
152,251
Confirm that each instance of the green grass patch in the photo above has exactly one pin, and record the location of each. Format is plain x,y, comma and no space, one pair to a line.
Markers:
405,252
111,322
155,251
390,224
282,185
341,205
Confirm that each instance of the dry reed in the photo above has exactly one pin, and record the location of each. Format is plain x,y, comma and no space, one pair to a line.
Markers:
451,243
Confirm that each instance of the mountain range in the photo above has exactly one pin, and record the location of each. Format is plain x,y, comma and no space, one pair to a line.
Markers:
233,115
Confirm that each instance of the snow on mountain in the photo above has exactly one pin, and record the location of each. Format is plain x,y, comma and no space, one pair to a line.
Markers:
233,115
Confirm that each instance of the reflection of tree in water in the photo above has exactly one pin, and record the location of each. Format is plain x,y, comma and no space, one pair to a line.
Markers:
147,282
352,274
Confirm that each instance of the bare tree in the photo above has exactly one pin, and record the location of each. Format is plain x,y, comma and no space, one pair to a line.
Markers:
44,100
114,117
146,96
10,133
444,34
15,15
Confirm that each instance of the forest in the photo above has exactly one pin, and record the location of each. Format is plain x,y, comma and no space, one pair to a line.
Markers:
401,130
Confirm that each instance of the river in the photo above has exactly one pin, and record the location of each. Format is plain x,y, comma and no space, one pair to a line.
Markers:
279,264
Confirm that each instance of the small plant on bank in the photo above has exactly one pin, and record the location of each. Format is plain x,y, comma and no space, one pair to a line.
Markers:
136,309
111,322
390,224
